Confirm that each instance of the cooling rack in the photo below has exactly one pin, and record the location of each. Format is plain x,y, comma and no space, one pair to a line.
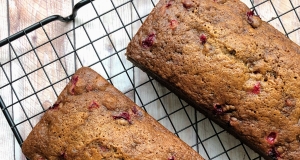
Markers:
37,62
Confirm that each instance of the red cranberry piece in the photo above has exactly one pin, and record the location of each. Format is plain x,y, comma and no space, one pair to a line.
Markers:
124,115
134,110
103,148
63,156
171,158
148,42
165,7
169,3
218,109
203,38
94,105
173,24
54,106
187,3
271,137
250,13
256,88
253,20
290,102
74,80
273,154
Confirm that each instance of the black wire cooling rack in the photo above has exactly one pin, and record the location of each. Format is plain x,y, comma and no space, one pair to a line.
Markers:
43,70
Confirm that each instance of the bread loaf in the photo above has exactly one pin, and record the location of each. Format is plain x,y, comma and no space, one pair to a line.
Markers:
93,120
229,64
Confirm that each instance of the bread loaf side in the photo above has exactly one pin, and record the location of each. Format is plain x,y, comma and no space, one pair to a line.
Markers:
92,120
229,64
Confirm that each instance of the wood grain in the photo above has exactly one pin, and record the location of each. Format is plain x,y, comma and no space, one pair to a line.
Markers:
6,135
115,39
21,15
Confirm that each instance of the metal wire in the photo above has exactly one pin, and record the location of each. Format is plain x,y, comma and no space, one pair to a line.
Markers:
44,22
194,121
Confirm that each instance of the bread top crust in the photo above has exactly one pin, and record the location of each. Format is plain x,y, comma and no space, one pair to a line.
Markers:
93,120
230,64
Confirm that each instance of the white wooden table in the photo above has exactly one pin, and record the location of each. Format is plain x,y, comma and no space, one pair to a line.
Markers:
35,89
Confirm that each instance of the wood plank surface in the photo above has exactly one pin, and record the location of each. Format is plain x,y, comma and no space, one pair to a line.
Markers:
6,135
45,68
21,15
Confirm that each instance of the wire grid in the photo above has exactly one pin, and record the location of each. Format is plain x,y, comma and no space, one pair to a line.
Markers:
24,110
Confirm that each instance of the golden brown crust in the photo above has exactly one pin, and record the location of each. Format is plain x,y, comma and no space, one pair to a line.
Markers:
230,65
93,120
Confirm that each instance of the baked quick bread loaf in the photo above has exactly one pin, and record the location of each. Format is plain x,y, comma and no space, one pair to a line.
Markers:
229,64
93,120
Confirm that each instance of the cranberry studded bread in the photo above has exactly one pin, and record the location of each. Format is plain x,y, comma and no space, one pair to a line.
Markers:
93,120
225,61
